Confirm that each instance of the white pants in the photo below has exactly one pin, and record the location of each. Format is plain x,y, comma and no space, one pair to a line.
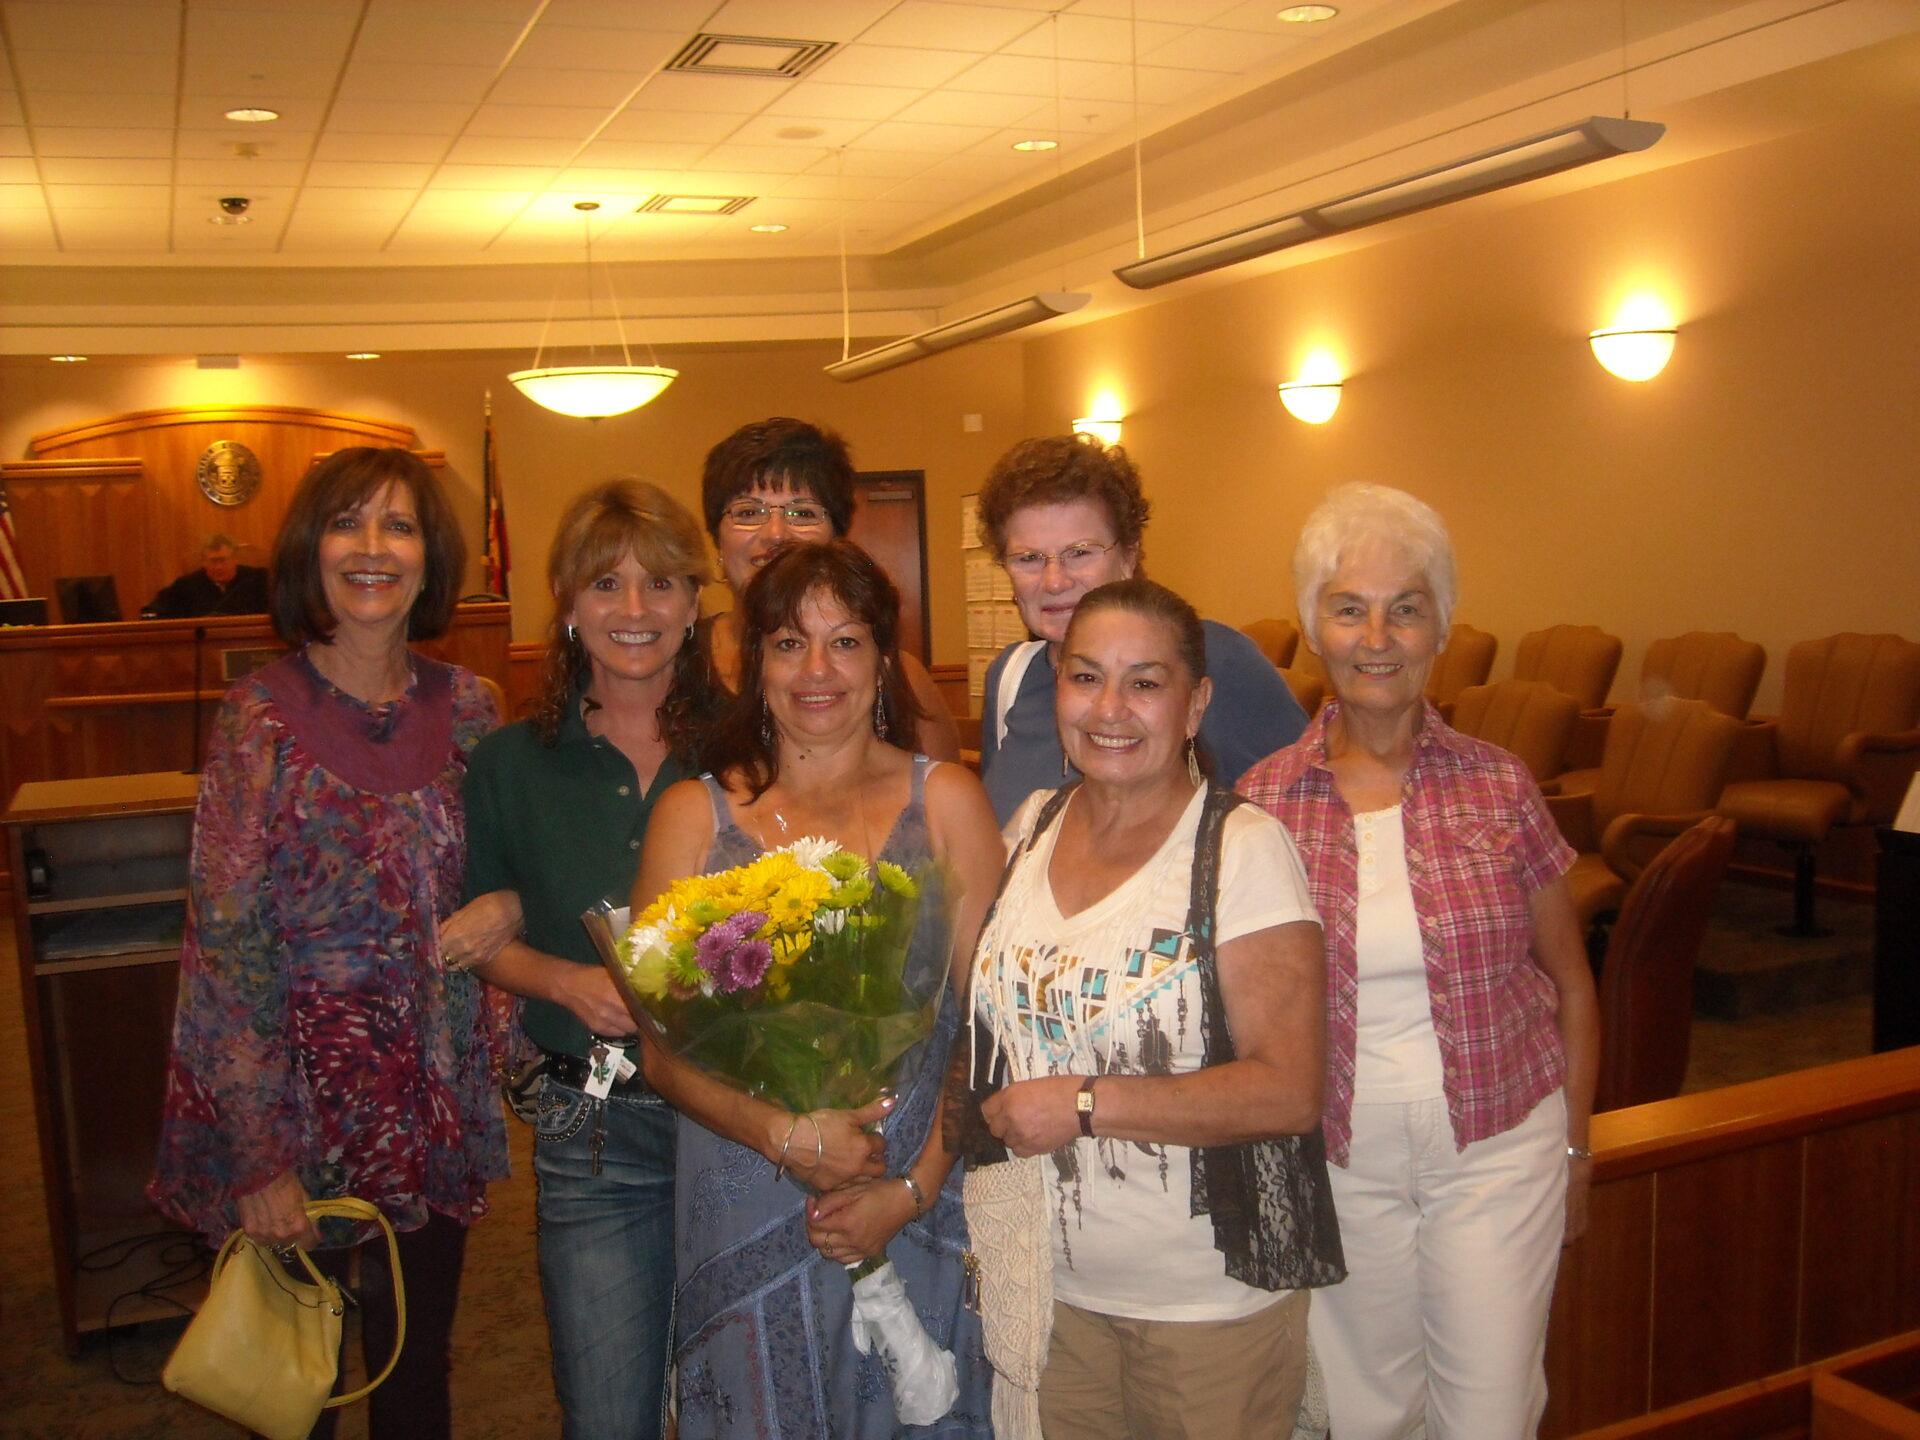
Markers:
1451,1258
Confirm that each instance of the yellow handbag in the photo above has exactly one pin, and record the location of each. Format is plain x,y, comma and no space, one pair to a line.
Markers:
265,1348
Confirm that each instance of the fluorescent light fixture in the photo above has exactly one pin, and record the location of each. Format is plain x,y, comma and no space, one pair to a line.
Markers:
363,355
68,359
1595,138
1043,305
592,392
1633,354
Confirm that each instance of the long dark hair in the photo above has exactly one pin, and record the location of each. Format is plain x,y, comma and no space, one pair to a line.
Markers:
609,522
743,744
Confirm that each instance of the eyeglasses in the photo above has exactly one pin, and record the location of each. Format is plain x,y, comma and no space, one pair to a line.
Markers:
751,515
1079,558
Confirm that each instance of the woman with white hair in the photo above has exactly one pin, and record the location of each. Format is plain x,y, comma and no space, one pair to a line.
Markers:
1463,1033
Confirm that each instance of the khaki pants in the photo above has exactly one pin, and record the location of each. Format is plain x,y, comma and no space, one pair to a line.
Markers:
1109,1377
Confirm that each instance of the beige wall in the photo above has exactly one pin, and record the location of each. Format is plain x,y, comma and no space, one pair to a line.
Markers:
1768,482
910,419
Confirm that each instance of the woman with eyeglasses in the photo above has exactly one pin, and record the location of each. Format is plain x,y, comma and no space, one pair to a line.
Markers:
1065,515
784,482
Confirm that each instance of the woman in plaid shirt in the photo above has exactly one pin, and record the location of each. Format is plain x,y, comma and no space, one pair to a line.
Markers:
1463,1026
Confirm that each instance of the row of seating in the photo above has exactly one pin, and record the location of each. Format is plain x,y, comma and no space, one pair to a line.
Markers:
1841,752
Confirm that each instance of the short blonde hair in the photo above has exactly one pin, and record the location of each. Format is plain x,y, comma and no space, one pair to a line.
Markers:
1355,513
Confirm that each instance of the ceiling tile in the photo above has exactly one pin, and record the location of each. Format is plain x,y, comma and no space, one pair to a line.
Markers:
108,197
571,47
891,65
393,34
11,111
785,20
762,159
25,230
709,94
666,126
99,172
1027,75
319,235
104,231
953,107
407,148
99,74
1156,85
385,79
585,182
253,32
14,140
275,144
209,113
397,117
356,205
684,15
767,130
95,29
22,198
1231,52
105,144
240,177
530,85
924,139
366,176
612,154
815,100
495,205
15,171
71,107
1093,37
826,186
887,164
979,28
726,182
1177,12
505,150
536,122
521,179
273,83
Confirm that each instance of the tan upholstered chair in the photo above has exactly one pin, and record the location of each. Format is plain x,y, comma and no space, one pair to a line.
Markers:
1528,717
1721,669
1309,690
1717,667
1646,979
1842,752
1579,659
1467,660
1277,639
1665,764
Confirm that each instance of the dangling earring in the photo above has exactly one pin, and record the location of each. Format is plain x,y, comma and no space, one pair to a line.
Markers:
689,634
766,722
880,713
1193,762
572,634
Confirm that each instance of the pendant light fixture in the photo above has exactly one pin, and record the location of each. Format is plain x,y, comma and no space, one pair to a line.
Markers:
591,392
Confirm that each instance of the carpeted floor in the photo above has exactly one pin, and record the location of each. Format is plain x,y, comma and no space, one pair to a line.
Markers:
502,1389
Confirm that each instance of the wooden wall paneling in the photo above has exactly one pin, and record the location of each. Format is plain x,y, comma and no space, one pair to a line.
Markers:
83,517
1725,1273
1600,1332
175,515
524,661
1861,1235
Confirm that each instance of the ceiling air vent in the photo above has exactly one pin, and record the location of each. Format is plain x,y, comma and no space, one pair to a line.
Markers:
750,55
694,204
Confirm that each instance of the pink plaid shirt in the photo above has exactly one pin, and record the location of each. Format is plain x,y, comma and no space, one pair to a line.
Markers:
1479,844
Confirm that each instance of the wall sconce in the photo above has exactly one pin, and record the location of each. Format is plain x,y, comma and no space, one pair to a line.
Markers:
1633,354
1108,431
1313,401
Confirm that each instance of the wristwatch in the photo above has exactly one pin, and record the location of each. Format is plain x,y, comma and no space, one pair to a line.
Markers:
1083,1105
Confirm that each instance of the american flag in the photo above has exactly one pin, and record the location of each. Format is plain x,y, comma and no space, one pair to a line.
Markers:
494,552
13,585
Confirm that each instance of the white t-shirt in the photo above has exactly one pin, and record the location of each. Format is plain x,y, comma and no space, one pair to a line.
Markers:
1125,1240
1396,1053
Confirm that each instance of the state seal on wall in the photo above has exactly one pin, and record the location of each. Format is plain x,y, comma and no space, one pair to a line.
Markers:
229,473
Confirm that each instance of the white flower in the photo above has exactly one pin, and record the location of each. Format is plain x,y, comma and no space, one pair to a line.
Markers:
642,938
829,922
810,850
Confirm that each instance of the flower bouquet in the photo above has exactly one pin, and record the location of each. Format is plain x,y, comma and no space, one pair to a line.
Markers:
786,976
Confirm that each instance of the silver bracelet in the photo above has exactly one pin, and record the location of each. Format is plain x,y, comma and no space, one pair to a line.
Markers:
919,1200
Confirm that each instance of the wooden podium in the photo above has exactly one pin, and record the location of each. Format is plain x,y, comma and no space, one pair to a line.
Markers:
99,900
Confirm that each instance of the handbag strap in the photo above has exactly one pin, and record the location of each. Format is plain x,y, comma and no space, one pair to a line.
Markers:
348,1208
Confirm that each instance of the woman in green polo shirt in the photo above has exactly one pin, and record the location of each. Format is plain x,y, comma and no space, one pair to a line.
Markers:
557,806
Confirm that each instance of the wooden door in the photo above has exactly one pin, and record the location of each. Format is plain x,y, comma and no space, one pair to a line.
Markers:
890,524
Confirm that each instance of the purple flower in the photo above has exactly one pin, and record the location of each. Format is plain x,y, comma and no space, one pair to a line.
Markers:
725,951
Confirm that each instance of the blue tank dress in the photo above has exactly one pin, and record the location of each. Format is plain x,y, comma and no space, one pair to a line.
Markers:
762,1341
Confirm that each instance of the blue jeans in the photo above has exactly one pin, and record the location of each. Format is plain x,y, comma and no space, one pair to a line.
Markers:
606,1257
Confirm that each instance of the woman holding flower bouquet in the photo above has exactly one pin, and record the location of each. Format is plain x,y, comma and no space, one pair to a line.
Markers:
774,1203
557,806
1148,1001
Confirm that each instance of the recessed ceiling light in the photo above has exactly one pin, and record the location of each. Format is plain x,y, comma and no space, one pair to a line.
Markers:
252,114
1308,14
364,355
1032,145
68,359
768,229
228,219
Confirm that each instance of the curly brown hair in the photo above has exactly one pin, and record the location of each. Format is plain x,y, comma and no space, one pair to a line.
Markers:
1057,470
609,522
